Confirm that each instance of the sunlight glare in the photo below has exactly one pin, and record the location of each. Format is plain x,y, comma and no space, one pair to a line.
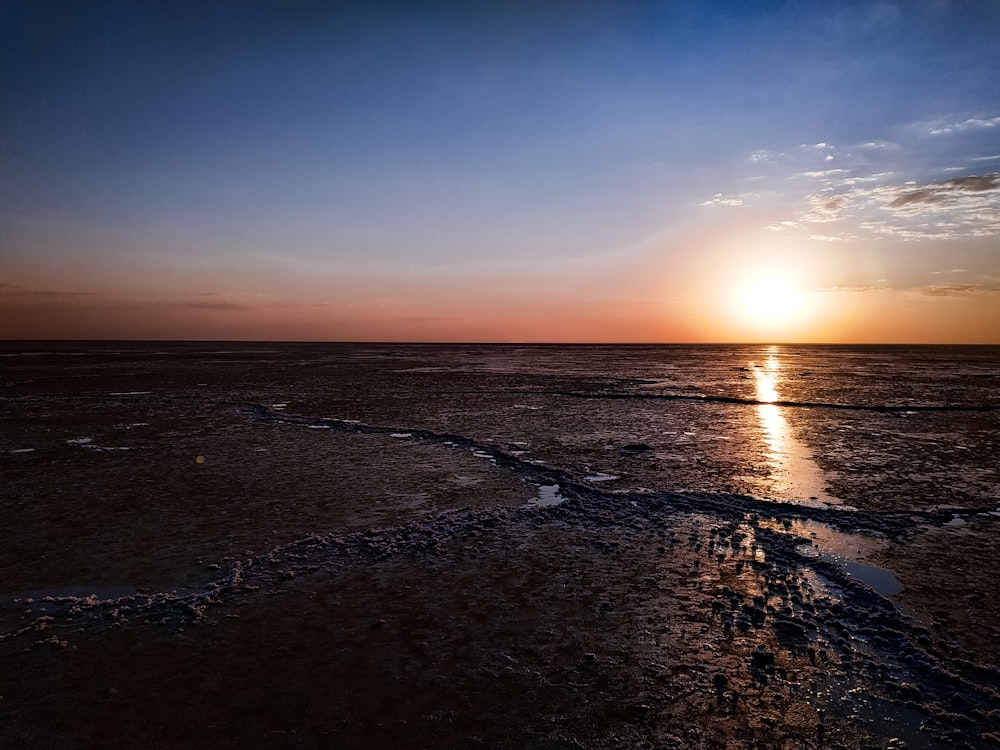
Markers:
770,299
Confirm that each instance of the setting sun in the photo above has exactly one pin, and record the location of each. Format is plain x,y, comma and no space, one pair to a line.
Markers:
769,299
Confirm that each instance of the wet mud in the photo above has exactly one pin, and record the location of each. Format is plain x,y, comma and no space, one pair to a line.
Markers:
357,546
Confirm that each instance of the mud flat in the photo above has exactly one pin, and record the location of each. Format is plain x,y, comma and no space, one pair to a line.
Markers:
349,547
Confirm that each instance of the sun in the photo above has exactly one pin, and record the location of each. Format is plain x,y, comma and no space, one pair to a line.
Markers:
769,299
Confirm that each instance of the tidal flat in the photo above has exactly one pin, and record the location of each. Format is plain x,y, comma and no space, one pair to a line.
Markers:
450,546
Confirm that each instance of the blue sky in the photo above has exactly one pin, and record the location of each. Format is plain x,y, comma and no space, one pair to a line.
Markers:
564,170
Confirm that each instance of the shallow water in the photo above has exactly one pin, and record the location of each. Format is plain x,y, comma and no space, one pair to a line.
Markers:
548,495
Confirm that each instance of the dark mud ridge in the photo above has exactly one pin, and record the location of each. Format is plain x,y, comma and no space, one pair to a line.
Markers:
877,408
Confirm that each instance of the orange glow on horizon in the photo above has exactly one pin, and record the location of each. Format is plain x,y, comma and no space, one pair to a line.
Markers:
729,291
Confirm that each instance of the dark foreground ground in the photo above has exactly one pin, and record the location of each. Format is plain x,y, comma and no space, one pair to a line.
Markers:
355,547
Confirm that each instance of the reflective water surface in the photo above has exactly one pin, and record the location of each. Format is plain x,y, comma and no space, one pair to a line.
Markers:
794,475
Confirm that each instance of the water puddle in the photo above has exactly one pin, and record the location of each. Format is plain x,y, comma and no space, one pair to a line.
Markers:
548,495
843,549
827,539
874,577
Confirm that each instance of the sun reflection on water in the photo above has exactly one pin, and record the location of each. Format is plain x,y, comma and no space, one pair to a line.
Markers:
794,473
767,378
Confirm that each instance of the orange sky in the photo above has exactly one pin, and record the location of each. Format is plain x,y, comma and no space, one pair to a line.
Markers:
648,300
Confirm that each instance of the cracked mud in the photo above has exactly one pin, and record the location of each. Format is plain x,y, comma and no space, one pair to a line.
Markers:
539,547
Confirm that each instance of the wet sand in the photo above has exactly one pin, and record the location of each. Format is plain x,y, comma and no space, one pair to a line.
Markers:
306,547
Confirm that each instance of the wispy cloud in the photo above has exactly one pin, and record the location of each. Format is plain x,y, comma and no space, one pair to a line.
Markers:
820,173
211,305
824,208
959,290
911,186
827,164
946,193
45,293
764,155
832,238
948,126
853,289
990,287
967,206
911,148
723,200
867,179
879,146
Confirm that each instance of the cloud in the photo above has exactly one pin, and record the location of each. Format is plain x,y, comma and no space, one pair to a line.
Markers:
866,189
877,177
47,293
824,208
829,164
820,173
956,193
918,144
723,200
859,289
931,290
782,225
950,126
959,290
831,238
216,301
974,183
879,146
967,206
763,155
917,196
211,305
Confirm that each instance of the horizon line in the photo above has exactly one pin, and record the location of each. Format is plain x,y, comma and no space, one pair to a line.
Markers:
387,342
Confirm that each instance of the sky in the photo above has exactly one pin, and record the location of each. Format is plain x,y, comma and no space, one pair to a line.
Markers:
562,171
